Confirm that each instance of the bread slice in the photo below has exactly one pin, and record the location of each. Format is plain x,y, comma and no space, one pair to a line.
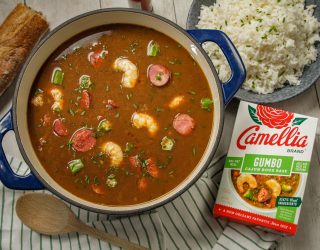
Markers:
18,34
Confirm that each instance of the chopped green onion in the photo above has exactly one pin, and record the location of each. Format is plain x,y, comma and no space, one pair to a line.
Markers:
134,46
129,96
69,144
158,110
85,82
194,150
153,48
96,180
206,104
87,179
104,126
71,112
175,61
129,147
75,165
167,143
135,106
192,92
57,76
158,77
103,54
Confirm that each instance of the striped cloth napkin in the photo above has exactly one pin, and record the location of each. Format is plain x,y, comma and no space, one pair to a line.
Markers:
184,223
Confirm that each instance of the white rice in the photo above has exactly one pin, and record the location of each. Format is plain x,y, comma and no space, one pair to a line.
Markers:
275,39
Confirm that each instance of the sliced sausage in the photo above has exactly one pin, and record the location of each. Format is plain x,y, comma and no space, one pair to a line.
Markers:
59,128
263,195
83,140
183,124
85,100
158,75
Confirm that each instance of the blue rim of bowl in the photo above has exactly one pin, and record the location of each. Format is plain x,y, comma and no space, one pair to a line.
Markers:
106,211
285,93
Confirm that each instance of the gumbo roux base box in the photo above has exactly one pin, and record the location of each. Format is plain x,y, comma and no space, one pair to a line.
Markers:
266,168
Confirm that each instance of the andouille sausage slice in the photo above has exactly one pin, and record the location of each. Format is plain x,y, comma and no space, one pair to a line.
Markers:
158,75
85,100
183,124
83,140
59,128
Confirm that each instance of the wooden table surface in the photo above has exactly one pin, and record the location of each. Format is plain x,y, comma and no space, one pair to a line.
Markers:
56,12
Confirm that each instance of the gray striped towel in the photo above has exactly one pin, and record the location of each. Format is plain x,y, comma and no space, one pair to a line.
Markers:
184,223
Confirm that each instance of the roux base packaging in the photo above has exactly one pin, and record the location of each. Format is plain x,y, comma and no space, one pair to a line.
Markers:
266,168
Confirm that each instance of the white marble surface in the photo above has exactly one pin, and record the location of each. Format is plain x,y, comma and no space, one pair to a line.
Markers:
177,10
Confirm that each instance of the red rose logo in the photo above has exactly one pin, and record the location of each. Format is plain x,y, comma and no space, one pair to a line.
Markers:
274,118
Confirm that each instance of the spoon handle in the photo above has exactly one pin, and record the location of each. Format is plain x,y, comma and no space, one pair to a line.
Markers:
125,244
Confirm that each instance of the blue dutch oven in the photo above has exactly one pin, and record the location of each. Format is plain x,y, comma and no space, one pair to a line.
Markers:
191,40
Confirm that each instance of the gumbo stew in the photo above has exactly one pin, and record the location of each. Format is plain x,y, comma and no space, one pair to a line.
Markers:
262,190
120,114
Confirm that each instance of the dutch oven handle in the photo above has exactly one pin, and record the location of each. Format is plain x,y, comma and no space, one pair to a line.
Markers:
238,71
7,176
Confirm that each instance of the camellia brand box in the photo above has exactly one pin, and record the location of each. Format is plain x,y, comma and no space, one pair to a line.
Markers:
266,168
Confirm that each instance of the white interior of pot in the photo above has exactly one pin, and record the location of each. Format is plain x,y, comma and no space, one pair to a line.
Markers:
70,30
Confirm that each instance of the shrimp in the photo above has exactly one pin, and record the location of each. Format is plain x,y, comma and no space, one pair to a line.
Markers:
140,120
176,101
246,178
114,152
274,186
129,69
58,99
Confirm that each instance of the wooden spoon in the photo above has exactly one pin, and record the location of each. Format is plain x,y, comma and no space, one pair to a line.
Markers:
48,215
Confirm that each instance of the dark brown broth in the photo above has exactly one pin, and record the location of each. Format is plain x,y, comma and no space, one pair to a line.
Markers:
55,155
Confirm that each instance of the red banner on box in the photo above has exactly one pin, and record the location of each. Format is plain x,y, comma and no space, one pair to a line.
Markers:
253,219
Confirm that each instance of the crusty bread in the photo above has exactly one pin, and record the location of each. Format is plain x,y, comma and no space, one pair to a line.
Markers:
18,34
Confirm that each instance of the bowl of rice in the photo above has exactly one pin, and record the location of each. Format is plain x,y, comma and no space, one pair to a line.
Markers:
278,41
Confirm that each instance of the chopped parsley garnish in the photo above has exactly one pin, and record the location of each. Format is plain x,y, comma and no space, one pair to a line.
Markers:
175,61
129,147
129,95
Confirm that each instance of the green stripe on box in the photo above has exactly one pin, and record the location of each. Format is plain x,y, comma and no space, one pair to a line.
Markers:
233,162
267,164
301,166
